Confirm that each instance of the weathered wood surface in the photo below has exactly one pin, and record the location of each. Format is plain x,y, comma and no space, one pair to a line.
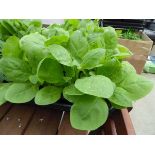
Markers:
27,119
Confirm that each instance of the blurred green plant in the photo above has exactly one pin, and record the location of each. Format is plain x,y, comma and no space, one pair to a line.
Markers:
129,34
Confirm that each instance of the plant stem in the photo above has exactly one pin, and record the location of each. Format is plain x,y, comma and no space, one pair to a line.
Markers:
84,72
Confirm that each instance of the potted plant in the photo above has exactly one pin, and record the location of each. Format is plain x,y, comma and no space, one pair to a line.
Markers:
140,45
78,62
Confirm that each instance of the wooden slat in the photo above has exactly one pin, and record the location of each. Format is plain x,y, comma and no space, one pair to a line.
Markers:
45,121
128,122
98,131
4,109
109,127
66,128
123,122
16,119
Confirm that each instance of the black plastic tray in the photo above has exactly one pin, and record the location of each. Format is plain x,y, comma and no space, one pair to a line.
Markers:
64,105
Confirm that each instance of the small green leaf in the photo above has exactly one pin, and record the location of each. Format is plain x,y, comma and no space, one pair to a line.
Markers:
34,26
71,94
98,85
93,58
11,48
48,95
70,98
3,88
21,92
88,113
71,23
71,90
123,52
50,71
120,98
110,38
56,40
60,54
128,68
33,79
57,36
78,44
90,26
96,40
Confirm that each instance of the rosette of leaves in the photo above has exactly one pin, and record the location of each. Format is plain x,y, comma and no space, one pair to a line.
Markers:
82,64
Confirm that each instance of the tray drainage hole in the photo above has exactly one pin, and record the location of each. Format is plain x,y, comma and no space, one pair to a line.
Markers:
7,118
20,125
19,120
41,120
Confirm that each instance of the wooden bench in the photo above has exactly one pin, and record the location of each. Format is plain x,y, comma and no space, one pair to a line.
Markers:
27,119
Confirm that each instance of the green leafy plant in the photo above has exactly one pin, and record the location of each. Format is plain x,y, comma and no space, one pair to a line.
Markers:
129,34
18,28
78,61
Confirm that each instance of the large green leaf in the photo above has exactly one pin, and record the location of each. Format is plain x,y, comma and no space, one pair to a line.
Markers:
32,42
122,72
33,46
121,98
116,106
88,113
3,88
21,92
69,71
11,48
93,58
60,54
137,86
2,77
48,95
78,45
15,69
98,85
50,71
